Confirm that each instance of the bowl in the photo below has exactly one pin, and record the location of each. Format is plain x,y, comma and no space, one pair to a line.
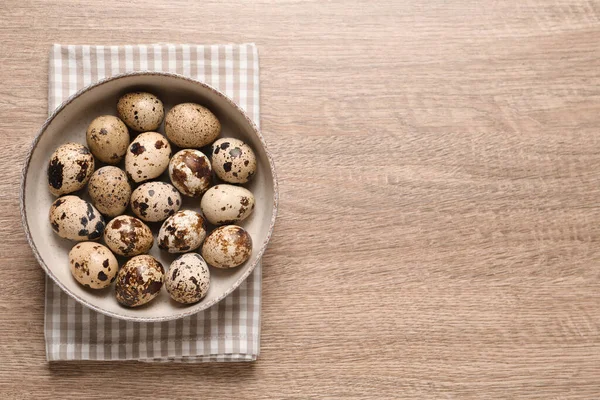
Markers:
69,122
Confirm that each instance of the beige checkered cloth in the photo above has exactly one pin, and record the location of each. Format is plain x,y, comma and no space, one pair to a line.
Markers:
229,331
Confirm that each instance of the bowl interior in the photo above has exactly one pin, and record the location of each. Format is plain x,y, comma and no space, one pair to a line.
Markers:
70,124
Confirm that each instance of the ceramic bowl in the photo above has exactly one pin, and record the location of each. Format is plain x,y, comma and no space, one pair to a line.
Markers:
68,124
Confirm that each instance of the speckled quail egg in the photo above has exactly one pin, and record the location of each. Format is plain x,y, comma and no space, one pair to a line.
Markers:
141,111
139,281
107,137
233,160
76,219
93,265
190,125
155,201
188,279
227,204
183,231
147,157
227,247
128,236
190,172
70,168
109,191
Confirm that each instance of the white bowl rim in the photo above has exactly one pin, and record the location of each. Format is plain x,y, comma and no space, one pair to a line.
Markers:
57,111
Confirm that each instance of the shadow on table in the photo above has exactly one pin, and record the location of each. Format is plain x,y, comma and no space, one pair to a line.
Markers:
133,369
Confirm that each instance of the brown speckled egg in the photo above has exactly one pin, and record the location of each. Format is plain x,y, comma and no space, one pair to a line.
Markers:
109,191
70,168
155,201
188,279
227,204
190,172
190,125
233,160
147,157
139,281
93,265
183,231
76,219
108,138
141,111
227,247
128,236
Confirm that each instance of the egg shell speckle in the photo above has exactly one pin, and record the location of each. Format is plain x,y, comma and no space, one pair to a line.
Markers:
227,247
128,236
147,157
93,265
141,111
75,219
107,137
109,191
233,160
183,231
227,204
139,281
191,125
70,167
155,201
188,279
190,172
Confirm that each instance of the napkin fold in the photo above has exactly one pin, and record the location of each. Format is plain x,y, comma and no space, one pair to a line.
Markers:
228,331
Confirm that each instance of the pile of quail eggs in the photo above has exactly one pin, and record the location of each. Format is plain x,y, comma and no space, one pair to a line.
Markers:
113,191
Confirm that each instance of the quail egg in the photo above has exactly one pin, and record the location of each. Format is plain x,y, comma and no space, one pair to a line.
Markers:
128,236
227,204
227,247
147,157
139,281
188,278
155,201
69,169
108,138
109,191
93,265
190,172
190,125
75,219
233,160
183,231
141,111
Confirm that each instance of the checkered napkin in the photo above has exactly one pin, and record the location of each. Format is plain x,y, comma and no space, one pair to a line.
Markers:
228,331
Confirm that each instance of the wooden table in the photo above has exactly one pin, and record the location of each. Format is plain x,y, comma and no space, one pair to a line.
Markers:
439,226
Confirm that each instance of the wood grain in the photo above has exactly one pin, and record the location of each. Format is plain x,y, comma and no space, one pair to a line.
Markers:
439,226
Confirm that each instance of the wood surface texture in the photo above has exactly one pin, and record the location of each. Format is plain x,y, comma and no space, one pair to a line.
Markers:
439,225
